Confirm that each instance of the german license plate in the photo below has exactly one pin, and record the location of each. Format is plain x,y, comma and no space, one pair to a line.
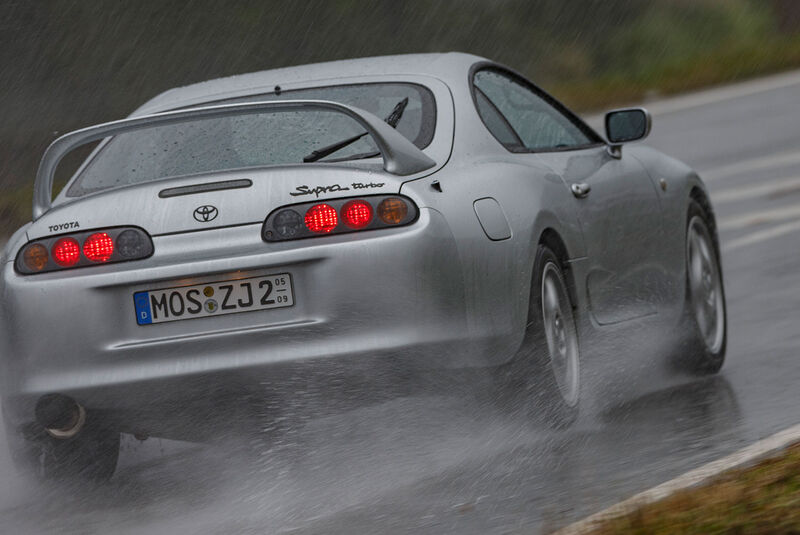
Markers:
213,299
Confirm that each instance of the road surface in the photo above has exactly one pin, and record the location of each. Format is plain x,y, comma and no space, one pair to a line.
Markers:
454,464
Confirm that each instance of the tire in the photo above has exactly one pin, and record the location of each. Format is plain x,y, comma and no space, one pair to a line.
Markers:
546,368
705,317
88,457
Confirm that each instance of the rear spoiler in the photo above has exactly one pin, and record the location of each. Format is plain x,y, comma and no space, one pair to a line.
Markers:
400,156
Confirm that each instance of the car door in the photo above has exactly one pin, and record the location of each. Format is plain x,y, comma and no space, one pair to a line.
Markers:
620,218
615,199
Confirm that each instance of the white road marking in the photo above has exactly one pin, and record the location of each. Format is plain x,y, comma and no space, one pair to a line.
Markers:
717,94
759,217
768,188
746,456
761,235
751,165
728,92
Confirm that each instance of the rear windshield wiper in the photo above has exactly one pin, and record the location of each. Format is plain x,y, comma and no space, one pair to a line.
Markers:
391,120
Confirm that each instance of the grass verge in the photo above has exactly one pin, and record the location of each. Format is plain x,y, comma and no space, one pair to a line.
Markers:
726,64
15,209
761,499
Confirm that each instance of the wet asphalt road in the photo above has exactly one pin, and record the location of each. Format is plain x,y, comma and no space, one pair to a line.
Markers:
452,463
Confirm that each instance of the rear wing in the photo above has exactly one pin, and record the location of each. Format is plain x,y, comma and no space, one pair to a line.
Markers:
400,156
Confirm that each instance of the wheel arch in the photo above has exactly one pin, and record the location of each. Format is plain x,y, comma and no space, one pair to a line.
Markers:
551,239
698,195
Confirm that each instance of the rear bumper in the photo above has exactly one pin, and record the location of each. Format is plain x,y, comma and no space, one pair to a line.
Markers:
383,300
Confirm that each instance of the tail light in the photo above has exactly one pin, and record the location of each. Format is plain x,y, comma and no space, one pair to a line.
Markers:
99,247
338,216
66,252
321,218
82,249
357,214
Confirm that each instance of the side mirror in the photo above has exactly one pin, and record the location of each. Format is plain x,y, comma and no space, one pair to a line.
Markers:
630,124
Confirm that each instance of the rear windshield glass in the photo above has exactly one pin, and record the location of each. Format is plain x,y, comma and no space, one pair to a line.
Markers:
419,116
256,139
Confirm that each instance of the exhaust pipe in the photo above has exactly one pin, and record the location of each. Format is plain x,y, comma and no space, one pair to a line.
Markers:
61,416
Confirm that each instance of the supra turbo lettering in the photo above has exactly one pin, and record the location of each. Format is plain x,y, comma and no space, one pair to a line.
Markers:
305,190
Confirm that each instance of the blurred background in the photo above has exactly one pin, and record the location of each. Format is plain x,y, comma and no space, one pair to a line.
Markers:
68,64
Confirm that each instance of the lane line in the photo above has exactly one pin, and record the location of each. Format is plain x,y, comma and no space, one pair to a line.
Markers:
704,97
746,456
728,92
767,189
753,164
759,217
762,235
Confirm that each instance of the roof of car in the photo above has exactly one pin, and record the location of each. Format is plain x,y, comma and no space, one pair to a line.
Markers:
449,67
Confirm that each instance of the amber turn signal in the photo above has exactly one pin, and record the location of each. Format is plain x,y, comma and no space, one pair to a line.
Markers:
35,257
393,210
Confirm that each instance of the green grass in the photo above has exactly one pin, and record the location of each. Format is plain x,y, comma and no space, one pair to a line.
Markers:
726,64
15,209
762,499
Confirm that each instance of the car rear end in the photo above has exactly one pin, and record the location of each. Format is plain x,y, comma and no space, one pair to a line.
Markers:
161,299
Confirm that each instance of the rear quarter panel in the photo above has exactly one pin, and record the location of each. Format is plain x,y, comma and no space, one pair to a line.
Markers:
497,273
679,180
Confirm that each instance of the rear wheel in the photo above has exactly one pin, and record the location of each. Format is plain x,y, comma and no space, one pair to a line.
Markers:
704,313
547,365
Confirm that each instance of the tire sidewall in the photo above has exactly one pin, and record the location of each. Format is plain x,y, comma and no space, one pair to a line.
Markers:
696,357
542,397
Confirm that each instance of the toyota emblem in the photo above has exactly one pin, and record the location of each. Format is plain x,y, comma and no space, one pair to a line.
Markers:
205,213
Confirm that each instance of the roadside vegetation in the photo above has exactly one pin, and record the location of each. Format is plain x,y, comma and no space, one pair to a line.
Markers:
65,65
726,64
762,499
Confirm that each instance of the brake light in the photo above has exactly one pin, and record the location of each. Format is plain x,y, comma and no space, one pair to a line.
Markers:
66,252
116,244
321,218
98,247
357,214
369,212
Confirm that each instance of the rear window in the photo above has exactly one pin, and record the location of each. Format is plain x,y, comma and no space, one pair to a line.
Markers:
419,116
256,139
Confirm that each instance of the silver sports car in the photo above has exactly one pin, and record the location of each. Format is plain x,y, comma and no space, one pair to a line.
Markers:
388,215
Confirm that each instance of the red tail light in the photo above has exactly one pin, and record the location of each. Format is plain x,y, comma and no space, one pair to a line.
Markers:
357,214
98,247
114,244
66,252
321,218
363,213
